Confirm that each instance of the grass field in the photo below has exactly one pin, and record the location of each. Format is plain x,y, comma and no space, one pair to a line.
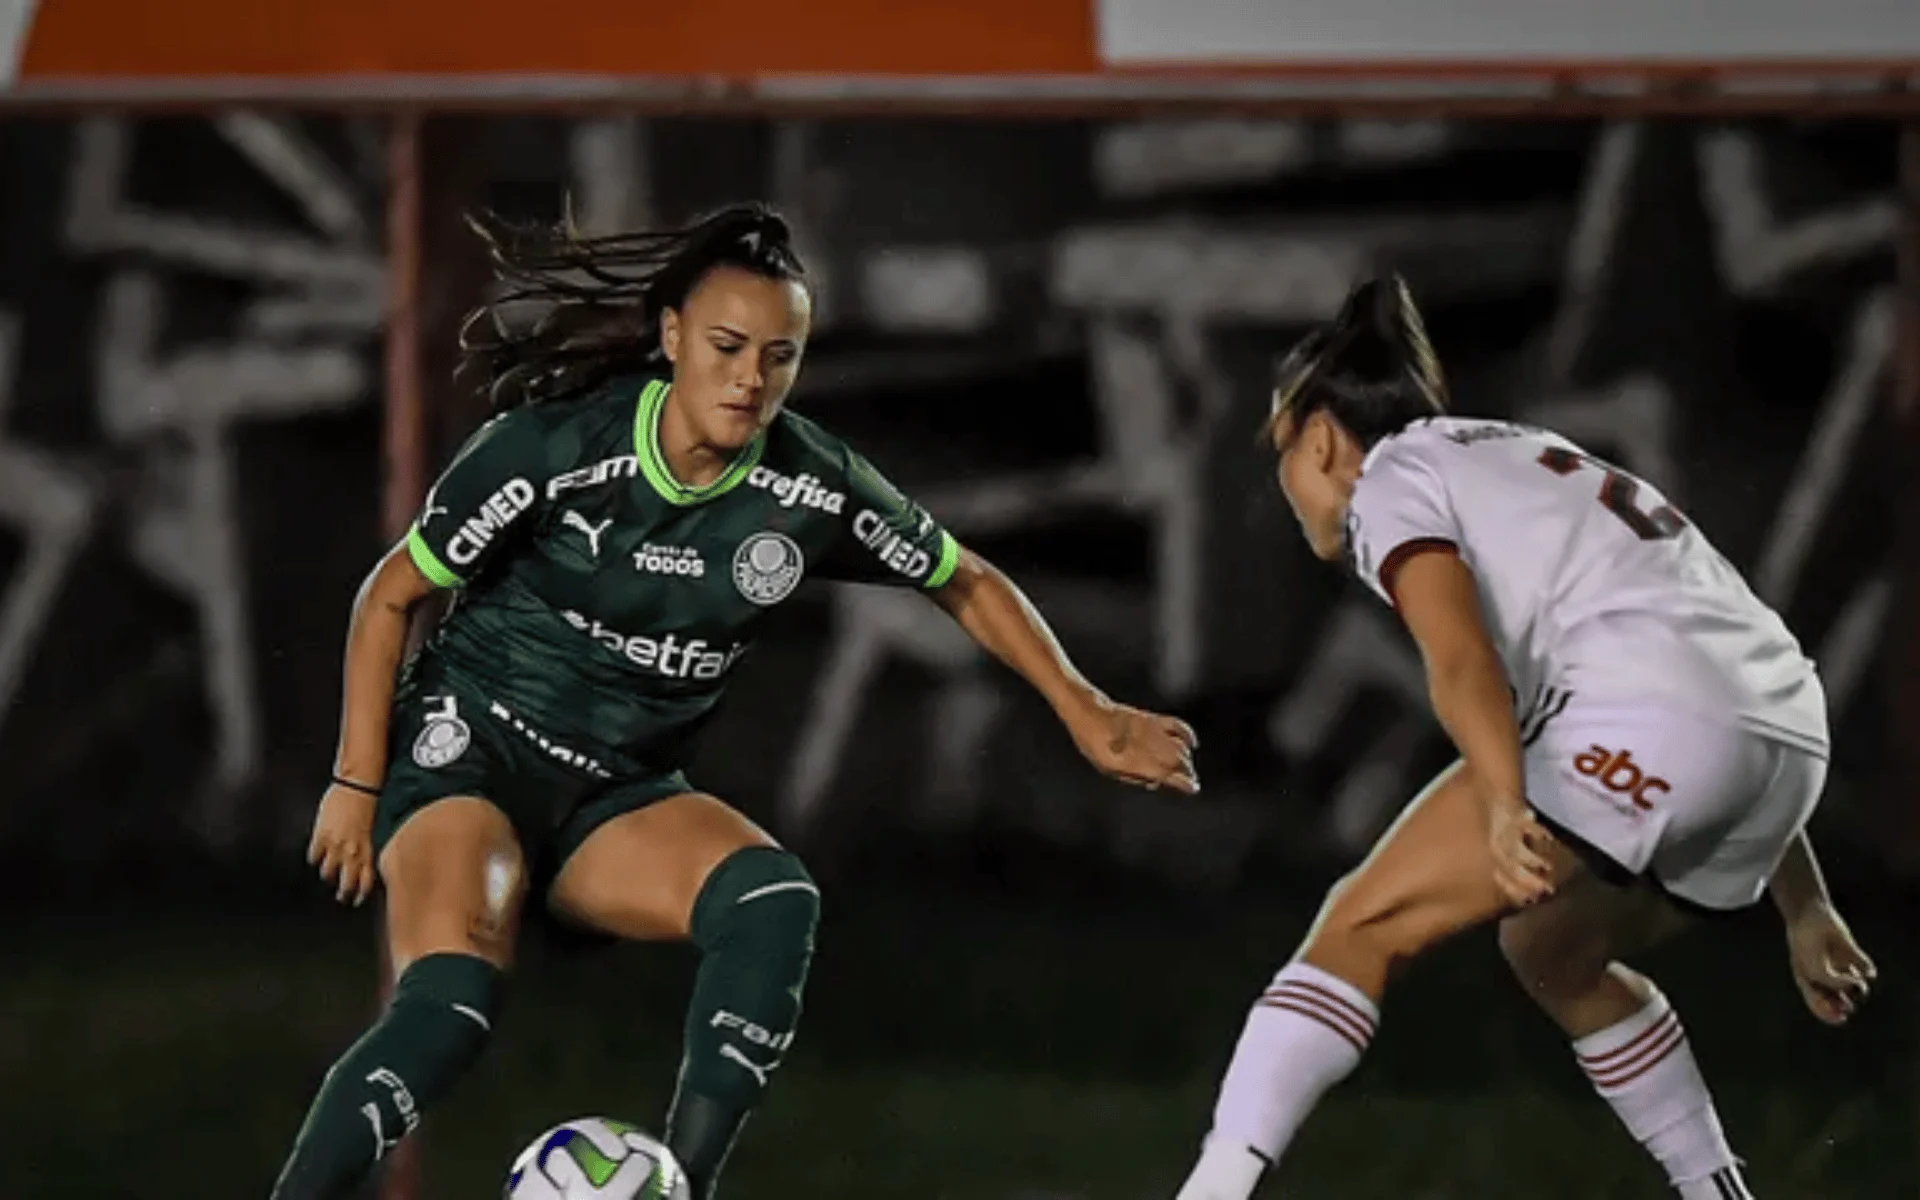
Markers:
953,1050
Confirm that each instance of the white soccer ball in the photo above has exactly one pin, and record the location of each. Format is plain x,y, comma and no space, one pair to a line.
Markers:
596,1159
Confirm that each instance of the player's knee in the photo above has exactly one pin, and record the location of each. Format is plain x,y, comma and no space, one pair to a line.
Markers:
1361,920
759,897
475,913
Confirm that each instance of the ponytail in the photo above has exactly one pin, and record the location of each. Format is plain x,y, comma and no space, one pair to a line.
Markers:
1372,367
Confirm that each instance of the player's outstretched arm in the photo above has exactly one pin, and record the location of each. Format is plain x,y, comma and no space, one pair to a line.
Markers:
1436,596
1124,742
342,843
1833,973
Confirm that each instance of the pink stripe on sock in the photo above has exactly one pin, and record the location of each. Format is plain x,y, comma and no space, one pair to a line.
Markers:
1607,1058
1652,1055
1324,1007
1300,987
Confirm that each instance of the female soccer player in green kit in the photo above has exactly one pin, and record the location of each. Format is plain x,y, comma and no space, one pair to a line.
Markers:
614,536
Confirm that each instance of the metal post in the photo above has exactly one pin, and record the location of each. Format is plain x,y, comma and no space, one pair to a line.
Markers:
405,429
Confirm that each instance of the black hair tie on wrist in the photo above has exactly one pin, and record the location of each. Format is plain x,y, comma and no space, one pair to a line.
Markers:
354,785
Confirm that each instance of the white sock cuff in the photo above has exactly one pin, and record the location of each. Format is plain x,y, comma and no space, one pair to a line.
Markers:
1621,1053
1326,998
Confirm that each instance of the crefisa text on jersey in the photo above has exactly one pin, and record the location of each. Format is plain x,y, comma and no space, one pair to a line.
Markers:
894,550
496,513
804,491
666,655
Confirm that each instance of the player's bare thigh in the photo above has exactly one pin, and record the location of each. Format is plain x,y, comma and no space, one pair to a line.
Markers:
638,875
1429,877
455,880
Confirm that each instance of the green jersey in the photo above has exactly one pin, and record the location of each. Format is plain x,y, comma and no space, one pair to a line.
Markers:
603,604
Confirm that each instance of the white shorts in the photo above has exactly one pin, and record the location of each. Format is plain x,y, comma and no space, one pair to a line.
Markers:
1701,806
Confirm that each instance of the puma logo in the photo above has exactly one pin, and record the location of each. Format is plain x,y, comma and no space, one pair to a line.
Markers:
759,1072
573,520
1618,773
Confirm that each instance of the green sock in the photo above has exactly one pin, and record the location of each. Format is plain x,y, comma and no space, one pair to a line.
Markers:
438,1021
753,922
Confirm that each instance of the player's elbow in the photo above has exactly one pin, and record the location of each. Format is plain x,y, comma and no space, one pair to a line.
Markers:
395,584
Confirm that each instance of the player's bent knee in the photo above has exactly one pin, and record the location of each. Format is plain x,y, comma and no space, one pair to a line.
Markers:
761,895
467,901
1362,919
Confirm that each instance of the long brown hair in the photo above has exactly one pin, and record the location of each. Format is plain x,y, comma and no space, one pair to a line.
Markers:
572,312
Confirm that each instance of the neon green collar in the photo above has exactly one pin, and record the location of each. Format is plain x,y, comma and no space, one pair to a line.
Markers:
653,464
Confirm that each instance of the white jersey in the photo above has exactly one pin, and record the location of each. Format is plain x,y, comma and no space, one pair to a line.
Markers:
1591,584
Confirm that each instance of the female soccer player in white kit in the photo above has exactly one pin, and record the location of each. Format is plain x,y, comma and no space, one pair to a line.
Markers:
1641,740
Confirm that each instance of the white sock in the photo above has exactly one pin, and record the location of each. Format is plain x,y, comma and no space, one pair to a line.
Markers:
1645,1069
1305,1034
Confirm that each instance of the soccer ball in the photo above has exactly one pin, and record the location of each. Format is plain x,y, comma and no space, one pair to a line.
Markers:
596,1159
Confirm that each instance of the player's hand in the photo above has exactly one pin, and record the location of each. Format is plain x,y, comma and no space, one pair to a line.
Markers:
342,843
1520,845
1138,747
1833,973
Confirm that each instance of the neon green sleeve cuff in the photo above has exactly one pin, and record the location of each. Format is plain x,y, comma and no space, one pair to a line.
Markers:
949,559
429,562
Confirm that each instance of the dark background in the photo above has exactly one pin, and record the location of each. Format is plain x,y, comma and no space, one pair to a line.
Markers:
1056,334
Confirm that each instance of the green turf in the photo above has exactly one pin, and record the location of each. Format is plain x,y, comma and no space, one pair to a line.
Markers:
949,1052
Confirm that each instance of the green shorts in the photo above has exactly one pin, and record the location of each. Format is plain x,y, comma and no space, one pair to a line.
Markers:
445,740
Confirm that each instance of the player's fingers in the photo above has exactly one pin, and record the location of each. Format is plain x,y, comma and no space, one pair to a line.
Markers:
1169,742
1183,733
1854,957
1518,893
363,886
1519,889
1530,863
1834,1007
1178,765
1853,985
329,864
1537,874
352,859
1837,976
1821,1008
1183,781
1535,836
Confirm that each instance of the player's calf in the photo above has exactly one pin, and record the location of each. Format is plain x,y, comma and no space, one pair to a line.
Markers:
1561,951
1311,1026
1304,1035
754,922
438,1021
1626,1037
1429,877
